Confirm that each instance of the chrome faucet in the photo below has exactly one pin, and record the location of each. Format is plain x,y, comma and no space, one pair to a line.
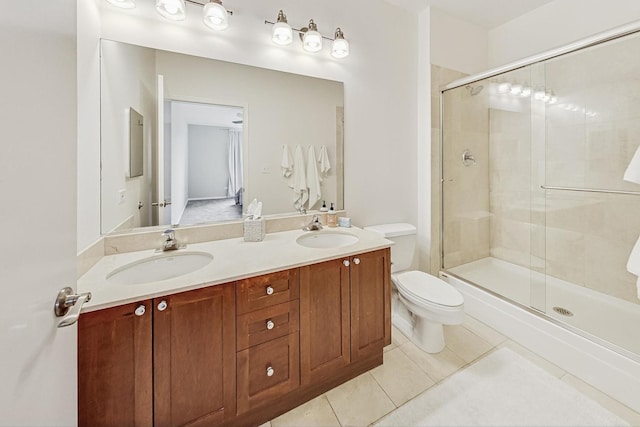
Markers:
314,225
170,243
302,211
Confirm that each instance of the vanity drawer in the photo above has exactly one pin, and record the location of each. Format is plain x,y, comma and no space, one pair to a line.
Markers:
267,371
267,290
266,324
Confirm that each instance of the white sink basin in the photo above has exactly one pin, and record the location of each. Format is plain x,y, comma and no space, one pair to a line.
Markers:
160,267
326,239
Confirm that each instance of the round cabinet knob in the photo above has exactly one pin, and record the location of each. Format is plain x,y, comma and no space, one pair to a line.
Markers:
269,290
270,371
345,263
140,310
270,324
356,261
162,306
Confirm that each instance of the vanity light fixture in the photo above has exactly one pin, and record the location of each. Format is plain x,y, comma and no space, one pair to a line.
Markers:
124,4
312,40
282,33
171,9
215,15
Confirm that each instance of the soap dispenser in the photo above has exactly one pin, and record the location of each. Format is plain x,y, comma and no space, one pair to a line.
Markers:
323,212
332,217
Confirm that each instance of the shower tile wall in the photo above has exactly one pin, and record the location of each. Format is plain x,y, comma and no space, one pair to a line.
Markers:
585,140
590,235
466,200
440,76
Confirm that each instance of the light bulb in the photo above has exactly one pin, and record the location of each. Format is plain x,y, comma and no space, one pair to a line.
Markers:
282,33
504,87
171,9
215,15
312,39
340,47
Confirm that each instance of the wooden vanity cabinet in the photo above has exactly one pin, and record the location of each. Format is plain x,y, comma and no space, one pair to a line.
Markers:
324,320
370,281
170,363
194,357
115,384
237,354
345,313
267,339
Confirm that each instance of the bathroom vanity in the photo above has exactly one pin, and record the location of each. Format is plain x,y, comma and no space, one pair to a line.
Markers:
239,351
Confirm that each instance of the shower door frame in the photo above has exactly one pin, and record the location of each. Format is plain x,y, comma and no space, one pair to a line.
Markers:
597,39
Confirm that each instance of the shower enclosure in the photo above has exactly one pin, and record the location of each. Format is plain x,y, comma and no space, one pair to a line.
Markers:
534,205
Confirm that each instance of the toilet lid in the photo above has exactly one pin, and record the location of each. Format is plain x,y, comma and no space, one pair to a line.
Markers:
429,288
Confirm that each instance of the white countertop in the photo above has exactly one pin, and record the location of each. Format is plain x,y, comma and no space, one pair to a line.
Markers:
233,259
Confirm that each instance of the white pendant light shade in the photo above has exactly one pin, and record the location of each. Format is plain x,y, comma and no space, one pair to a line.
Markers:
171,9
312,39
215,15
124,4
282,33
340,47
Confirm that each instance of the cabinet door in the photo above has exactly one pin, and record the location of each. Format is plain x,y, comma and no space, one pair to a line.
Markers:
370,303
115,367
194,357
324,320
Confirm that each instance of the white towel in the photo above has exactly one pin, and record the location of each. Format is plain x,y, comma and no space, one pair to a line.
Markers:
286,164
323,159
633,264
298,179
313,180
632,174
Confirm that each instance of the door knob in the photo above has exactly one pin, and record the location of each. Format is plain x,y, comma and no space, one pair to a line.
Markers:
68,305
161,204
356,261
345,263
162,305
269,290
270,371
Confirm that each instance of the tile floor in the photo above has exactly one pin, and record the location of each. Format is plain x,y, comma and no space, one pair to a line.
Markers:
408,371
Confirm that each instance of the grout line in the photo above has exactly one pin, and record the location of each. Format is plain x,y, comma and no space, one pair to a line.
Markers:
333,410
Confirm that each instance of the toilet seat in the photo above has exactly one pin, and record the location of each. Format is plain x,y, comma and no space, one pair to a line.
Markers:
428,289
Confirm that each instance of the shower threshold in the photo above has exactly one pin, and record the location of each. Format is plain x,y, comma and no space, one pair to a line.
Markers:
595,315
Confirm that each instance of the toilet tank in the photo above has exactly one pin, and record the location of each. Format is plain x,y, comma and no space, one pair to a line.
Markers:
404,237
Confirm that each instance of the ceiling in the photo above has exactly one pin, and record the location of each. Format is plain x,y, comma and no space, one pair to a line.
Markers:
485,13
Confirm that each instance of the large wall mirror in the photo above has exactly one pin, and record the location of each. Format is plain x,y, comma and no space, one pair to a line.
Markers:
216,136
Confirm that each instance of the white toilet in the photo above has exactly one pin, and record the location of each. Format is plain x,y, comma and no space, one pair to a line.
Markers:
421,303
